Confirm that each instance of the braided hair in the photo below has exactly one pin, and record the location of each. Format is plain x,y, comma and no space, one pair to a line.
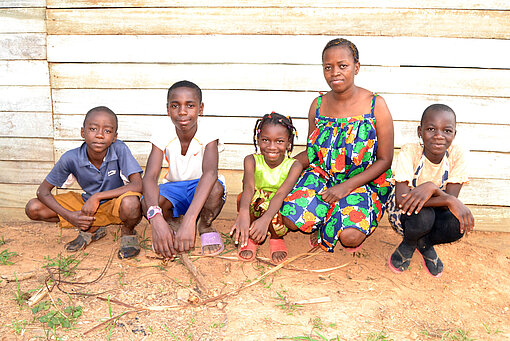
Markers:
343,43
275,119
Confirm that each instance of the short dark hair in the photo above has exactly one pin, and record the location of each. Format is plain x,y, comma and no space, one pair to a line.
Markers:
275,119
343,43
103,109
435,108
185,84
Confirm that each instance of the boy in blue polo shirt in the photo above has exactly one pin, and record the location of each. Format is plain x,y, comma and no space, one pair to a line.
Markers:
99,166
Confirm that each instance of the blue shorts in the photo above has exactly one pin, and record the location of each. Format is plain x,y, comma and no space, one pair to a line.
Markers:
181,193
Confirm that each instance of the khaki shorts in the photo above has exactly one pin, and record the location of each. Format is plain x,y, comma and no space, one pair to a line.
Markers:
106,214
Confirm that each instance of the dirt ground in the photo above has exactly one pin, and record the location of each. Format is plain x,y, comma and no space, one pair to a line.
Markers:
356,296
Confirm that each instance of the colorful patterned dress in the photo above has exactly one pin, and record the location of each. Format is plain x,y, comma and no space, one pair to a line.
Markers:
338,149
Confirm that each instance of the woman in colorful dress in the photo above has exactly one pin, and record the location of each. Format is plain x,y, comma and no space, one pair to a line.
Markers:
343,189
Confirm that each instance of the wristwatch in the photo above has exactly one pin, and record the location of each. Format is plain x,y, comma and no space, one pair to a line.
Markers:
152,211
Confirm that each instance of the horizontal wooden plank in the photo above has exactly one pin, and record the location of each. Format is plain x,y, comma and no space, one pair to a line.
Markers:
455,4
16,195
25,98
295,104
22,3
24,72
433,81
275,49
235,20
26,124
23,46
24,172
26,149
22,20
139,128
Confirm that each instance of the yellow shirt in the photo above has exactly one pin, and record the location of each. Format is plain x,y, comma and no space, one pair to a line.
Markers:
409,157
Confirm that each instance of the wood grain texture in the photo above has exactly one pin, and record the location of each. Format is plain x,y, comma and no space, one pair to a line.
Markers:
15,195
432,81
26,124
292,21
24,72
25,98
30,46
275,49
247,103
24,172
26,149
240,130
22,20
455,4
22,3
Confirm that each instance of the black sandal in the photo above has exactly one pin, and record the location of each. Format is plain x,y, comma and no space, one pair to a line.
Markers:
432,263
84,239
129,247
398,262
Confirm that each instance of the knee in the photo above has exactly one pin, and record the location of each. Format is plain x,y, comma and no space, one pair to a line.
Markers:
351,237
215,198
33,208
130,207
419,223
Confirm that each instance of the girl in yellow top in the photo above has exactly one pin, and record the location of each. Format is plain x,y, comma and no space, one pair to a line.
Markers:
265,186
428,179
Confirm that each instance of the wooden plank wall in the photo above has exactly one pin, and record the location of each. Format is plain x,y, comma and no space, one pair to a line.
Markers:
26,118
251,58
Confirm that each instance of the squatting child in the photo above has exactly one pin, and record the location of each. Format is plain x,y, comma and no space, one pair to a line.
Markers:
100,165
429,176
265,185
191,190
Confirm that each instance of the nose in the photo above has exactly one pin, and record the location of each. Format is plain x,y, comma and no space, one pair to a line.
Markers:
183,111
99,133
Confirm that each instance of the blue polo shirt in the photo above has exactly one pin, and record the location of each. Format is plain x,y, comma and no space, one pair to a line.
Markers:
92,180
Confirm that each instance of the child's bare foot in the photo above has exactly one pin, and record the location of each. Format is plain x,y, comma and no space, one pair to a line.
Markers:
249,252
278,250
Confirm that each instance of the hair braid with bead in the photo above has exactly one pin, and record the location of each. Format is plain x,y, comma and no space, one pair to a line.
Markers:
275,119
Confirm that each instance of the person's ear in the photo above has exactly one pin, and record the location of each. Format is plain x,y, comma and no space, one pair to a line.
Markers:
201,111
356,68
419,131
114,137
168,109
82,132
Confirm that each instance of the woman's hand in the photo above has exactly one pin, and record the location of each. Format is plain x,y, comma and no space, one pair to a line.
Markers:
335,193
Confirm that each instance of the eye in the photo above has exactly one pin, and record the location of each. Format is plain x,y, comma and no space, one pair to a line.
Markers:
107,131
191,105
431,129
343,66
92,128
327,68
448,131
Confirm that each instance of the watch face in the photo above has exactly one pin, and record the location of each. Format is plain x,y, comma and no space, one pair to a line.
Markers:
151,212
